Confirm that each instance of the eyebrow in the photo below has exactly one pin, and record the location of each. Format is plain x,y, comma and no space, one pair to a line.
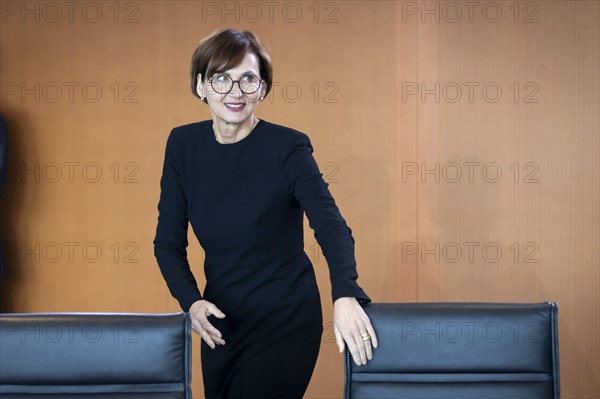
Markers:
246,71
241,74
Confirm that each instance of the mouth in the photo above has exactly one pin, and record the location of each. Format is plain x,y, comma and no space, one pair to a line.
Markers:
236,107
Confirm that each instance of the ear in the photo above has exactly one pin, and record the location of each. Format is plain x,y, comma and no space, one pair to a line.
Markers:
263,90
199,86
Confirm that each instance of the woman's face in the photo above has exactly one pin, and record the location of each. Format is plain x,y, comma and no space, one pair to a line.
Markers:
234,107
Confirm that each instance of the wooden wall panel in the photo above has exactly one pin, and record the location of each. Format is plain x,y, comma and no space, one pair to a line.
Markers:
533,148
354,63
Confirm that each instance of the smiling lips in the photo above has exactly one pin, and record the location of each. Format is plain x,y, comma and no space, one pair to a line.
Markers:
235,106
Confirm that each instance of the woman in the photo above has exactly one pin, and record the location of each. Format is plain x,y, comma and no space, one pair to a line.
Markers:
244,185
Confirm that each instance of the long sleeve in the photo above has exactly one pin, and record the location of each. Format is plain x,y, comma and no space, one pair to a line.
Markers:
305,183
170,243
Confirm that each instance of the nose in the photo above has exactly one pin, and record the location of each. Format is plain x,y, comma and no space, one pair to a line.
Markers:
236,89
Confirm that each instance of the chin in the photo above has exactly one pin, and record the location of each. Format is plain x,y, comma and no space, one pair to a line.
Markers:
235,118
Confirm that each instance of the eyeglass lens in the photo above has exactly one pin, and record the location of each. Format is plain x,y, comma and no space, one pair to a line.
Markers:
222,83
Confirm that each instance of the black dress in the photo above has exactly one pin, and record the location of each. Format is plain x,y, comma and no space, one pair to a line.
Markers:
246,203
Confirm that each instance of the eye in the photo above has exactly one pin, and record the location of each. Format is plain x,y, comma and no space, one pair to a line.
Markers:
220,78
249,78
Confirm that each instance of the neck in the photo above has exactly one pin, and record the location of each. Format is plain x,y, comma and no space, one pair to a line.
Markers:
228,133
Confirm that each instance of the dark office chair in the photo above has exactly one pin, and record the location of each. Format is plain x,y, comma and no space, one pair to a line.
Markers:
95,355
459,351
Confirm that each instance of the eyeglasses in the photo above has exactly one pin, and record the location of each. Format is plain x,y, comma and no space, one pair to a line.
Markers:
222,83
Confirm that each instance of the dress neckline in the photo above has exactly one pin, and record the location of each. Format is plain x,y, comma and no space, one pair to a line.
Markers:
245,139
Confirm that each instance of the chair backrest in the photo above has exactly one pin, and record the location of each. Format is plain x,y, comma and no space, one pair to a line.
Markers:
82,355
459,351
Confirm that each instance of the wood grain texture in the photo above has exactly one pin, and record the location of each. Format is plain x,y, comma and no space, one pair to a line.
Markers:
79,210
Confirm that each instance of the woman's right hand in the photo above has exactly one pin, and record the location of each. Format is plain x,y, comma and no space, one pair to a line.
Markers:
199,312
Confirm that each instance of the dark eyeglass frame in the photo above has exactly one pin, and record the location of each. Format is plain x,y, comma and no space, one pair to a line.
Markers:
260,82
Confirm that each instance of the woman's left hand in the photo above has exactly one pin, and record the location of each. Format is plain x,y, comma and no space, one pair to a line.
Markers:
352,323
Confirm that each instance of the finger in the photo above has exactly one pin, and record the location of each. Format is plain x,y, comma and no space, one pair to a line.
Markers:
213,332
338,340
371,331
353,348
207,338
207,334
217,340
206,325
360,346
368,348
217,312
197,327
355,354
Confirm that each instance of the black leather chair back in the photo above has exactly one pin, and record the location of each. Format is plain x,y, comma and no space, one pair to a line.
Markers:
459,351
92,355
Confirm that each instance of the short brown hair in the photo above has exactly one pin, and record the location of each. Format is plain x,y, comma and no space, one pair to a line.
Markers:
224,49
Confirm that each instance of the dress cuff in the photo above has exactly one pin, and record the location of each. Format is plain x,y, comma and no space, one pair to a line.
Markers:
352,290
